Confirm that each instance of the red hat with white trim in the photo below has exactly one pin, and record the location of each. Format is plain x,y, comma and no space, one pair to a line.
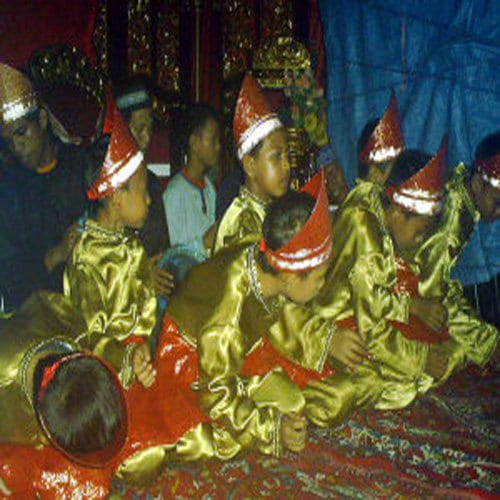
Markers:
386,140
123,157
253,118
423,193
17,95
489,170
311,246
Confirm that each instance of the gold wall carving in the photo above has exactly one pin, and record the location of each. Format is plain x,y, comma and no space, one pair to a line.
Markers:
139,37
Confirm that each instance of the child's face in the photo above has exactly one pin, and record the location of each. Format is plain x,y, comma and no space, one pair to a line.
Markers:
133,200
302,289
408,230
207,143
269,169
335,183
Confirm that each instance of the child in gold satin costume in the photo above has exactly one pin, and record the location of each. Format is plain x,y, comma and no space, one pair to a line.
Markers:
108,277
416,340
262,147
248,402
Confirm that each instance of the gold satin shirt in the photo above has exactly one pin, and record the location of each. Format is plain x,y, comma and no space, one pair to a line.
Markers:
242,221
216,310
109,280
476,340
46,321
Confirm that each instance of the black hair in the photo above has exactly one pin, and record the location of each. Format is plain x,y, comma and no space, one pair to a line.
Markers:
186,122
81,407
128,86
407,164
488,147
94,159
284,218
362,142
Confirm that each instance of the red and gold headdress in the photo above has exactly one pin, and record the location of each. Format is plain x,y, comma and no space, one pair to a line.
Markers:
93,459
253,118
423,193
17,95
123,157
489,170
312,245
386,141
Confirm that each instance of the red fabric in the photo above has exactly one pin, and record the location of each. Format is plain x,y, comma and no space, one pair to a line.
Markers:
312,244
415,329
316,40
158,415
27,25
387,134
121,150
266,358
407,283
426,185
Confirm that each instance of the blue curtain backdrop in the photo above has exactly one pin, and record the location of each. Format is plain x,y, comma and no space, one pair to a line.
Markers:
441,57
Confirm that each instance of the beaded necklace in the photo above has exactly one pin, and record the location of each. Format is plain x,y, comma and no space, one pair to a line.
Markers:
254,281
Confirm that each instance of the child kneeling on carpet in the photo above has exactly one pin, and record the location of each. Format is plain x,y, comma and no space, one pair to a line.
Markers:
218,317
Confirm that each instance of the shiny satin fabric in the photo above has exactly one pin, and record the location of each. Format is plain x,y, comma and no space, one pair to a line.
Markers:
226,322
438,254
476,340
109,280
365,269
45,319
242,221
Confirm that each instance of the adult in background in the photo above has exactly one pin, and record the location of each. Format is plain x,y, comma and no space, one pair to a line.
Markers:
46,193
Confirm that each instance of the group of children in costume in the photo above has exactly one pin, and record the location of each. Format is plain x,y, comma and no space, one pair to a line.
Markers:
294,318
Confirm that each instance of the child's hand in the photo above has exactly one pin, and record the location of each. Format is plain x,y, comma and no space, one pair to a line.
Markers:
60,253
163,281
431,312
141,364
348,348
437,363
294,432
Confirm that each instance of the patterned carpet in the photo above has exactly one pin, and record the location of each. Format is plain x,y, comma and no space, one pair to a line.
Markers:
445,445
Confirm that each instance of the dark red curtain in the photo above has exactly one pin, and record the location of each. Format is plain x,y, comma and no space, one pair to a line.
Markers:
26,25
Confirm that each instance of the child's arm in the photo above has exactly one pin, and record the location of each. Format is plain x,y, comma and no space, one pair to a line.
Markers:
371,282
308,339
250,410
111,324
238,229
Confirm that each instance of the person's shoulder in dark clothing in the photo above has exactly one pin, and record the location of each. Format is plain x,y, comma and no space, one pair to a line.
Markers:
154,234
228,191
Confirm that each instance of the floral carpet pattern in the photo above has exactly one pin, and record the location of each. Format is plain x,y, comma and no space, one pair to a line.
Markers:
445,445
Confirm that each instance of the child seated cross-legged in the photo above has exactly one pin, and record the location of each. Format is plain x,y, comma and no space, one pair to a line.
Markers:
262,147
108,277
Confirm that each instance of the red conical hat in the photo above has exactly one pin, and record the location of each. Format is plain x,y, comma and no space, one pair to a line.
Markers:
386,141
91,459
17,95
123,157
312,245
489,170
253,118
423,193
